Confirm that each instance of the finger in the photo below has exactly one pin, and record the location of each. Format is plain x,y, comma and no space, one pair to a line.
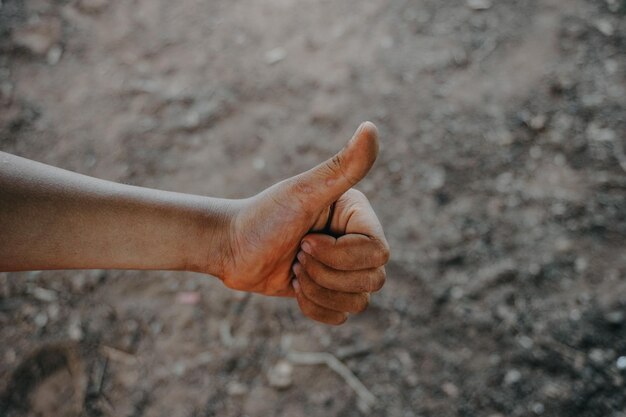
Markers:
333,300
351,252
322,185
353,213
316,312
367,280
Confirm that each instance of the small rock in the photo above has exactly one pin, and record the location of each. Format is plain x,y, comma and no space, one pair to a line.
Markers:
615,317
538,122
479,4
436,178
41,319
54,55
596,133
75,330
613,5
179,368
604,26
43,294
596,355
621,363
53,311
188,297
450,389
525,342
581,264
38,37
236,389
513,376
280,375
275,55
538,408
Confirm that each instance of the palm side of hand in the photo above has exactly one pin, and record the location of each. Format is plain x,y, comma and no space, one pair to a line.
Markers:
265,239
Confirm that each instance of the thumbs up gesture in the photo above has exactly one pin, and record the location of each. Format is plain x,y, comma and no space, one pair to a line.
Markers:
313,237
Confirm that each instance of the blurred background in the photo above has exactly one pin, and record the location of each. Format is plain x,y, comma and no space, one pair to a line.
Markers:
501,185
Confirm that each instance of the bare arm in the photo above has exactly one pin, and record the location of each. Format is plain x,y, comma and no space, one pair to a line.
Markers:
311,236
55,219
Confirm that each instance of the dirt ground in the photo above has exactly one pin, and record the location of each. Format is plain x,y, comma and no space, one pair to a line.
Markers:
501,185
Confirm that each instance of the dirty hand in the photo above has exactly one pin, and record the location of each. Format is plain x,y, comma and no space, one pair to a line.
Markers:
313,237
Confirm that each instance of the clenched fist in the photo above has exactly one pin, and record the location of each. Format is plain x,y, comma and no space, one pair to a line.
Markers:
311,236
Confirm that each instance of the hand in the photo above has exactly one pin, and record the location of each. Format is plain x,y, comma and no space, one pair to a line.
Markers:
313,237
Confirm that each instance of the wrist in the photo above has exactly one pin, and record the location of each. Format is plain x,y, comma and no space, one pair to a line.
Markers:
209,251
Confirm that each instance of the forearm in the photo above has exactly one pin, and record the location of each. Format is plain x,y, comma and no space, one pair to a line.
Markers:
55,219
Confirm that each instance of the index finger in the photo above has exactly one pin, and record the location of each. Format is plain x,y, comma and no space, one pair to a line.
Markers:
352,252
361,243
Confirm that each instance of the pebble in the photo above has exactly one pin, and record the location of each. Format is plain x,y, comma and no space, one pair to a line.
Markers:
236,389
280,376
621,363
615,317
274,56
43,294
599,134
581,264
74,330
513,376
597,356
604,26
436,178
538,408
54,55
41,319
538,122
188,297
450,389
525,342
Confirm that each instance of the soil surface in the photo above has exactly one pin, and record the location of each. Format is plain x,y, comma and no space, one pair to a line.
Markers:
501,185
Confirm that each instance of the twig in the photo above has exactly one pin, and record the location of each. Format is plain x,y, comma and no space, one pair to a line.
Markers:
324,358
226,326
117,355
103,370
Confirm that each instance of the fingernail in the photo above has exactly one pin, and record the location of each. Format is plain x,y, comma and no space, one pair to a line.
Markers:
300,257
306,246
295,284
295,267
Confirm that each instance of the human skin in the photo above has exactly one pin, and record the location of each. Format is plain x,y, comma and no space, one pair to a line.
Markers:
312,236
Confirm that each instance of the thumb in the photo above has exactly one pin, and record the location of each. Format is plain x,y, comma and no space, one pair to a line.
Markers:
325,183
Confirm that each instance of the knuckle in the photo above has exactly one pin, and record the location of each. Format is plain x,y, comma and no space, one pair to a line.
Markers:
337,319
308,310
377,279
353,192
383,252
336,168
362,302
